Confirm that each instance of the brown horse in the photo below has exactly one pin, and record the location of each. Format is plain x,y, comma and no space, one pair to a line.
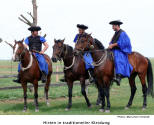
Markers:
104,70
30,71
74,68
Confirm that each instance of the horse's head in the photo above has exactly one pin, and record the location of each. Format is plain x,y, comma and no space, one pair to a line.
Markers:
58,48
84,43
18,50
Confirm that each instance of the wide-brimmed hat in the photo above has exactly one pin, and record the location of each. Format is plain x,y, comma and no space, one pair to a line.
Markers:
116,22
34,28
81,26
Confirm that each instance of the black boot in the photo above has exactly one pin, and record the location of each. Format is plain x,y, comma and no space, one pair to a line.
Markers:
44,77
91,75
63,79
18,79
118,79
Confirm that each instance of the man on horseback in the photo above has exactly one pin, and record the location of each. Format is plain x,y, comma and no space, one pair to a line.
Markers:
121,47
34,43
87,56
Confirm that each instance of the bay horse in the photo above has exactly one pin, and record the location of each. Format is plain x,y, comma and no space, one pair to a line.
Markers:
30,72
104,71
74,69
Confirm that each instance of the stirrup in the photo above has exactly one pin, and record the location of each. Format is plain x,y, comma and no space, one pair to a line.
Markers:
91,80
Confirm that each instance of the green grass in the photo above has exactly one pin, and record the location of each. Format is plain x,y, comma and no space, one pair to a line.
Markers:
11,101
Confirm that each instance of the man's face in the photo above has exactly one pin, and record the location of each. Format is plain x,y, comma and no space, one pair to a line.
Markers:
81,31
35,33
115,27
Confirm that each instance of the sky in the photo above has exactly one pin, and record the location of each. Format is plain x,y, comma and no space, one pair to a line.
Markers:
58,19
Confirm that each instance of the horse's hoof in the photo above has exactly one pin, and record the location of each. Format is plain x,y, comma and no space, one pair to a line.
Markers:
98,104
48,104
101,110
126,108
144,108
24,110
67,109
107,111
90,106
36,110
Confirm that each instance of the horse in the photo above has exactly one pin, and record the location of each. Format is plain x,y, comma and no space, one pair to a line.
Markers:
30,72
104,71
74,69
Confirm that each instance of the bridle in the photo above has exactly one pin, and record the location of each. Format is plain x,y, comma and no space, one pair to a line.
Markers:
101,60
88,45
62,50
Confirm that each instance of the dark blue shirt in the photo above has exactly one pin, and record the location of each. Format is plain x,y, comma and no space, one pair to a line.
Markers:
42,39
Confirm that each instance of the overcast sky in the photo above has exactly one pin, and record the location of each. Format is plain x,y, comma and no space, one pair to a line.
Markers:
58,18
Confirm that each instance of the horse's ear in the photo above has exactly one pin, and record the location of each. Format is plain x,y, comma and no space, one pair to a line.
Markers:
63,40
15,41
22,40
54,40
90,34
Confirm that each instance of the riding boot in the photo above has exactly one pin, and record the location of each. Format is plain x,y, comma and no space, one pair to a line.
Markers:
91,75
44,77
18,80
118,79
63,79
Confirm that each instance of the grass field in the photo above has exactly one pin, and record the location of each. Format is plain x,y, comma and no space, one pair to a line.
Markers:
11,101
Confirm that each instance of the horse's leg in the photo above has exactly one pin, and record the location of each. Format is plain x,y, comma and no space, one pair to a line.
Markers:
83,87
144,89
36,95
107,94
102,95
70,87
98,102
46,89
24,86
133,89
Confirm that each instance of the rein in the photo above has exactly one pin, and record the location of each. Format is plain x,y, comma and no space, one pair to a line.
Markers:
30,62
101,60
65,53
68,67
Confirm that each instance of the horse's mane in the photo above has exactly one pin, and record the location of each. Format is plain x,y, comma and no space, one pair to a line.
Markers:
69,48
99,44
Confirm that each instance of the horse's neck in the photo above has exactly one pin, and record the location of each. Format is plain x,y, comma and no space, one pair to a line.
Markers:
67,55
25,59
96,53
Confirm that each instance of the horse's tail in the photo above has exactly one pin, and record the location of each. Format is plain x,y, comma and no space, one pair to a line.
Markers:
150,78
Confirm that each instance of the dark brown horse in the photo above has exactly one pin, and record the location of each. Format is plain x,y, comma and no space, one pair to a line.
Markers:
30,71
104,70
74,68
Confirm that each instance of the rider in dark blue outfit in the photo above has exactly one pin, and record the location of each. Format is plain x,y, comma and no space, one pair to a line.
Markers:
87,56
121,47
34,42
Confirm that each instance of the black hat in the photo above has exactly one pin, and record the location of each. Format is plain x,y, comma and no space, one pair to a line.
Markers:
81,26
34,28
116,22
